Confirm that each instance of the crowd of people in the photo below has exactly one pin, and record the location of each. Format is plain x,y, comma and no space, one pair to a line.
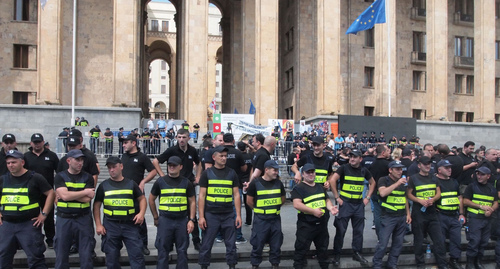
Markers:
432,188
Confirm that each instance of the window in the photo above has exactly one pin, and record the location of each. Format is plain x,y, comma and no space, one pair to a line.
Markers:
369,110
469,47
163,89
217,72
458,83
163,65
464,7
419,3
154,25
419,81
21,56
22,10
289,78
369,75
370,38
217,84
459,116
289,40
469,117
150,81
417,114
289,112
163,77
458,46
419,41
164,26
497,118
497,50
469,87
497,87
20,98
217,95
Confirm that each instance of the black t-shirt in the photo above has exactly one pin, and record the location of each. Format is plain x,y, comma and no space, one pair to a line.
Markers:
323,162
89,163
134,165
260,157
188,158
301,191
45,164
225,173
174,182
252,189
99,195
59,180
466,176
448,185
37,185
341,160
109,133
3,162
386,181
368,161
379,168
348,170
235,160
245,176
474,187
424,180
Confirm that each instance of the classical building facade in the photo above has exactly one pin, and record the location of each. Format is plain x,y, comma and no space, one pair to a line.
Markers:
434,59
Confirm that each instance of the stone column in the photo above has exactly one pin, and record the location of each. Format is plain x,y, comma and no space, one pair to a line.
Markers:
49,53
330,90
126,52
260,52
172,105
484,60
236,73
384,39
437,59
227,106
192,83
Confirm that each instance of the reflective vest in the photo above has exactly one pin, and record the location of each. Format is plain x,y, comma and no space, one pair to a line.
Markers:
353,184
173,200
95,134
109,139
449,202
84,123
481,198
322,172
15,201
395,202
219,191
73,207
268,200
119,203
316,200
424,191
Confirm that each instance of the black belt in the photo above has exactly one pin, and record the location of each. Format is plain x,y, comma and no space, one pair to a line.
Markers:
125,221
71,216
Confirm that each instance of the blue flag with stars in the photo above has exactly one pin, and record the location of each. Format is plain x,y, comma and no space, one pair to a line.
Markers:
375,13
252,108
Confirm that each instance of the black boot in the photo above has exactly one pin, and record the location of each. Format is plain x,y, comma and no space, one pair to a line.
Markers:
479,263
470,263
336,260
358,257
454,264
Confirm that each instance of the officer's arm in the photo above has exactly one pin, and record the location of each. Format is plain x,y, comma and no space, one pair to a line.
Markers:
437,196
495,205
469,203
300,206
372,187
256,173
199,170
333,185
243,168
100,230
251,201
149,177
156,164
283,200
49,200
237,201
201,208
192,207
461,206
329,205
295,168
80,196
408,214
152,206
142,205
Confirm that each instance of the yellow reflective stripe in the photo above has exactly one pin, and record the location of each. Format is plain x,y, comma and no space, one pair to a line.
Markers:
220,182
220,190
118,212
388,206
173,200
15,199
351,196
10,208
15,190
320,179
75,185
484,197
482,202
351,178
169,191
398,192
316,204
307,199
269,202
267,211
396,200
119,202
451,208
450,193
219,199
321,171
450,201
475,211
269,192
428,186
352,187
73,204
115,192
28,207
424,194
173,208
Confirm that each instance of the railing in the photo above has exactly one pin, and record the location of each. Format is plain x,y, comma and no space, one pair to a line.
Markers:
463,19
418,57
417,13
463,62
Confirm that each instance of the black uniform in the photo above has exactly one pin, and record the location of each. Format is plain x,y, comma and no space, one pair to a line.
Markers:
260,157
89,163
109,143
378,169
245,177
323,166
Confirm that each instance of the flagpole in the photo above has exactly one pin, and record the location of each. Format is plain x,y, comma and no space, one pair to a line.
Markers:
73,67
387,14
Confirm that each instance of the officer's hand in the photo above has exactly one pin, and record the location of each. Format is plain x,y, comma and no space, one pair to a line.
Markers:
366,201
245,186
156,222
196,181
318,213
141,186
326,186
138,219
334,210
297,178
487,213
423,202
402,181
100,230
339,200
408,219
202,223
90,192
39,220
1,222
190,226
237,222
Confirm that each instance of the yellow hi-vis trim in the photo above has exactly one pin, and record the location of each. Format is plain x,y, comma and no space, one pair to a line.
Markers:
116,192
15,199
119,202
73,204
220,182
15,190
170,191
173,200
269,202
119,212
172,208
219,199
75,185
268,192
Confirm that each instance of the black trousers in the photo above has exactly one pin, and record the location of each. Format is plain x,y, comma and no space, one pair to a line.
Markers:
305,235
423,222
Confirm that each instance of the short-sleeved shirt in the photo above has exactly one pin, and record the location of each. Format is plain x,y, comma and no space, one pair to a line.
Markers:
45,164
89,163
466,176
260,157
325,161
424,180
37,186
301,191
245,176
188,158
386,181
134,165
348,170
483,189
174,182
225,173
99,195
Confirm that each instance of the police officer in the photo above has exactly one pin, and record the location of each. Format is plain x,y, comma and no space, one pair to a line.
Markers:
120,142
395,215
8,143
266,195
196,128
424,191
108,137
372,140
44,162
20,217
351,177
124,209
75,190
146,141
451,210
323,163
314,206
95,134
134,164
218,191
381,139
481,200
175,193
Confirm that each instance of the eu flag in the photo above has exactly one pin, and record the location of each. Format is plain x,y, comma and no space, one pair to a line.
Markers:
252,108
375,13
